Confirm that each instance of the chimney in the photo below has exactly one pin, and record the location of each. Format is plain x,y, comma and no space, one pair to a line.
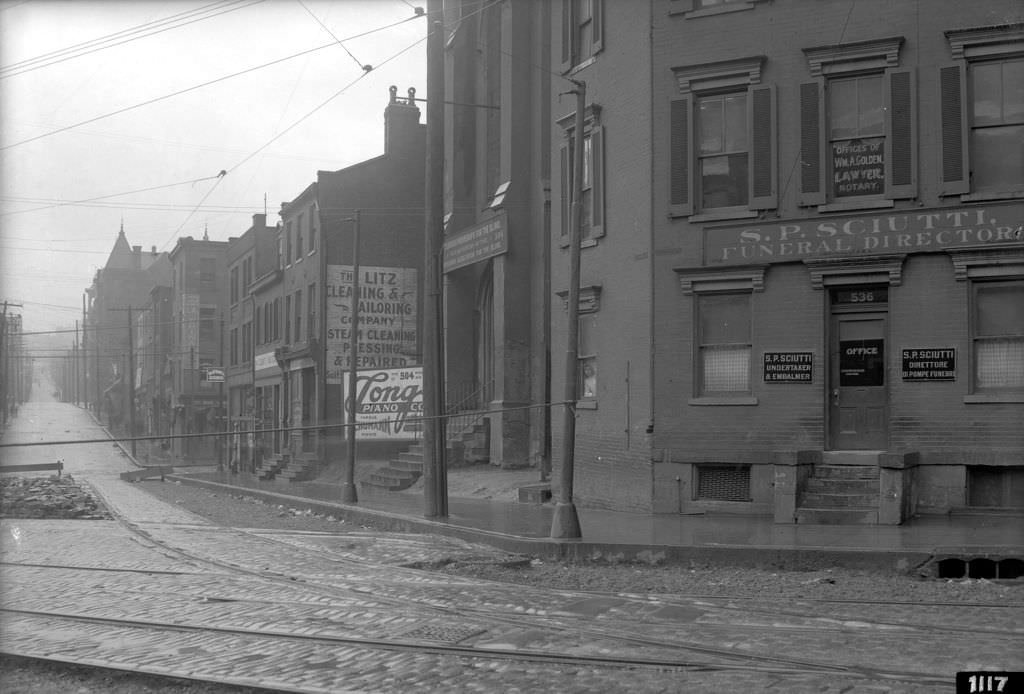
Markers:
259,221
137,257
153,251
402,130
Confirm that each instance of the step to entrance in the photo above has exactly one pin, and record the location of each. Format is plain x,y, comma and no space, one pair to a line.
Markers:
843,490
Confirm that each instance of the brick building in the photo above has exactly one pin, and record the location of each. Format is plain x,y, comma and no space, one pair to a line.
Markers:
249,256
310,337
820,314
198,301
838,253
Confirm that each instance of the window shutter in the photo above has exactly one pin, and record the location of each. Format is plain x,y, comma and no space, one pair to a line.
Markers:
597,177
763,162
812,141
681,158
566,34
565,164
901,135
952,88
597,22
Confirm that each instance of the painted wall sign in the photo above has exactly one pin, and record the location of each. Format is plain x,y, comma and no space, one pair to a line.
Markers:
476,243
386,400
387,335
788,367
903,232
857,168
862,363
929,364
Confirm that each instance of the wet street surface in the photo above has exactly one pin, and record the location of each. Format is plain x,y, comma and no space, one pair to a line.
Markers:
161,590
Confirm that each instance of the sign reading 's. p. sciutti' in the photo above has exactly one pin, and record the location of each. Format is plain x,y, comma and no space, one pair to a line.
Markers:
902,232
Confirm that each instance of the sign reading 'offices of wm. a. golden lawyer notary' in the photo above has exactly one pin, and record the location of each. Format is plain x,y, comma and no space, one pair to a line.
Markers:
917,231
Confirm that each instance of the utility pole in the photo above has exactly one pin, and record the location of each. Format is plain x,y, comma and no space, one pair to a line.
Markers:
348,489
74,369
565,523
434,451
5,361
85,361
222,438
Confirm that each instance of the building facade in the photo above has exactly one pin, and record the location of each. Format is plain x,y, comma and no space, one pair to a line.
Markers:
248,257
497,262
838,262
123,283
313,336
199,300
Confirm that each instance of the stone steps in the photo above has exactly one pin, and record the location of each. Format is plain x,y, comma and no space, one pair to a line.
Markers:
405,470
843,490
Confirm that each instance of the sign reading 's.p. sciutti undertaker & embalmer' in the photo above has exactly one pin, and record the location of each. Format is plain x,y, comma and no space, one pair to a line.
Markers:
919,231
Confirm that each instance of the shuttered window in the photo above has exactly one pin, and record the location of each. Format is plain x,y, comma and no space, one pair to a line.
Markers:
857,138
982,113
723,152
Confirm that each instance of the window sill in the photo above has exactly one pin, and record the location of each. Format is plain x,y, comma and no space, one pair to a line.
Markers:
981,196
723,215
846,205
582,65
975,398
586,404
584,243
710,11
707,400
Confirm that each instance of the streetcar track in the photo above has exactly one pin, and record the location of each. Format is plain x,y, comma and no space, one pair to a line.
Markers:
550,621
519,655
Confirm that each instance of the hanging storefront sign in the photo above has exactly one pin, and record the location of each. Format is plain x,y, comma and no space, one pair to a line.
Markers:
387,335
386,400
480,242
929,364
788,367
919,231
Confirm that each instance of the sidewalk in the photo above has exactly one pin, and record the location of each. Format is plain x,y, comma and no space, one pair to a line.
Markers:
615,536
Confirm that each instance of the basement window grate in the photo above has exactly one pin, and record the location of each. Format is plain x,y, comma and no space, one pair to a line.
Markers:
723,482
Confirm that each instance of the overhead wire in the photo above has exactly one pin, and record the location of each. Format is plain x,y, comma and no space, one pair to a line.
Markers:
200,86
89,47
116,195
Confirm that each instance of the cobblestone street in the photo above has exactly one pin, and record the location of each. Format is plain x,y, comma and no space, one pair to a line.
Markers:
161,590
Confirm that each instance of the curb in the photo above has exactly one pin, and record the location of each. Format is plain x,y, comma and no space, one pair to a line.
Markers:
784,558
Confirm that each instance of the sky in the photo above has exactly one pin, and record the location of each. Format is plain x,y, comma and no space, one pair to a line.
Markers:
104,122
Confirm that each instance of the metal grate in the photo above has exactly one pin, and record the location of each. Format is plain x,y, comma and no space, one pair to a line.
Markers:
723,482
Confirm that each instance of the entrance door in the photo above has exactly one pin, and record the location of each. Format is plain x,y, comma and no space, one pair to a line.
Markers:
857,394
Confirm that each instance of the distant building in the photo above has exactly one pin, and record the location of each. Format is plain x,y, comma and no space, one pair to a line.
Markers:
198,302
250,256
124,282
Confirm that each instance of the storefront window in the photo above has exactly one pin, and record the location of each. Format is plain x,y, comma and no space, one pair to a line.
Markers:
724,343
999,335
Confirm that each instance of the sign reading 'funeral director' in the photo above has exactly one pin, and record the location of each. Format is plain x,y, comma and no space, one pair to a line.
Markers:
918,231
788,367
929,364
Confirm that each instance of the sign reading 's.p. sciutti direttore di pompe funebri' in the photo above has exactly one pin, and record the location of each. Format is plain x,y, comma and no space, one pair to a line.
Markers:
788,367
937,364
